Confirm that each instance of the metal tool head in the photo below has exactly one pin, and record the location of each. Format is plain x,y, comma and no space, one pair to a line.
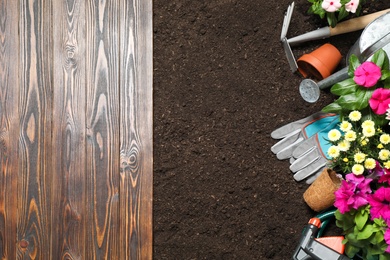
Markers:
286,21
283,38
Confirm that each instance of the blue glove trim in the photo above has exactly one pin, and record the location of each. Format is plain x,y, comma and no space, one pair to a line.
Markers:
317,125
323,144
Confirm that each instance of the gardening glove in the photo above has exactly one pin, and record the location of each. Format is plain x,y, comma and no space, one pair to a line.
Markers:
294,133
311,155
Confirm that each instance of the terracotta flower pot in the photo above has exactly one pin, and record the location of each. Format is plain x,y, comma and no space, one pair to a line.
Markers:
320,194
320,63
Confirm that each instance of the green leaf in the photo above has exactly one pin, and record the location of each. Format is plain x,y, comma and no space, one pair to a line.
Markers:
332,20
357,100
380,58
342,14
353,64
363,95
366,232
361,219
384,256
351,250
332,108
385,75
344,87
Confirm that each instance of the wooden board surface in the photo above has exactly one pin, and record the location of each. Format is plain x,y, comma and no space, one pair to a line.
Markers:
76,129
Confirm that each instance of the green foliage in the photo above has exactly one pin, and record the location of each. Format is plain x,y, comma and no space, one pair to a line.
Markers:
363,236
355,97
335,17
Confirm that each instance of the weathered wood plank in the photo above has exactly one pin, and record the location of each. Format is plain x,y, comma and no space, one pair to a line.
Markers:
9,126
34,177
102,117
136,150
69,95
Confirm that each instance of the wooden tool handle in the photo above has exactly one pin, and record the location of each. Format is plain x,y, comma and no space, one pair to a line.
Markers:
355,24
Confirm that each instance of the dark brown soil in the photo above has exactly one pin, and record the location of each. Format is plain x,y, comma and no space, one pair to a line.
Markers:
221,85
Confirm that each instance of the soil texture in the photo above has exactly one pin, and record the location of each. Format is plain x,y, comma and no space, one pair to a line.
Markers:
222,84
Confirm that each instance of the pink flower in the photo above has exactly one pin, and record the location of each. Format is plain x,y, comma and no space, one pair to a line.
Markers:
385,178
351,6
387,239
367,74
380,100
331,5
380,204
353,193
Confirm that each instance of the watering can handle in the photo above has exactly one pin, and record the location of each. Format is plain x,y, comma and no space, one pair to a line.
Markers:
355,24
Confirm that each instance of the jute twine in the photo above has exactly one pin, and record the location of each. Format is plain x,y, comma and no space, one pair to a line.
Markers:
320,194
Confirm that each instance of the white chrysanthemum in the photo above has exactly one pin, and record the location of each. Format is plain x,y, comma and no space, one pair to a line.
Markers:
333,151
359,157
345,126
384,154
334,135
367,123
368,131
369,163
350,136
357,169
344,145
355,116
384,138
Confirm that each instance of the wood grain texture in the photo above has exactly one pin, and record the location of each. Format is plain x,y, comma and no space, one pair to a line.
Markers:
69,94
34,178
76,129
136,147
102,116
9,126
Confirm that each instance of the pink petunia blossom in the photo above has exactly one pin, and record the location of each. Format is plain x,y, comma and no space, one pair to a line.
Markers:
380,204
387,239
331,5
367,74
352,193
380,100
385,178
351,6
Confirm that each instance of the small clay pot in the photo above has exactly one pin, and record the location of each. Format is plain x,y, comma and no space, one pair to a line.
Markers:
320,194
320,63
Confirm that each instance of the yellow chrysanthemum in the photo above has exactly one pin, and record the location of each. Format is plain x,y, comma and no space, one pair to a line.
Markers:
380,146
355,116
334,135
345,126
350,136
359,157
345,160
364,142
369,163
384,138
333,151
344,145
357,169
387,164
384,154
368,131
